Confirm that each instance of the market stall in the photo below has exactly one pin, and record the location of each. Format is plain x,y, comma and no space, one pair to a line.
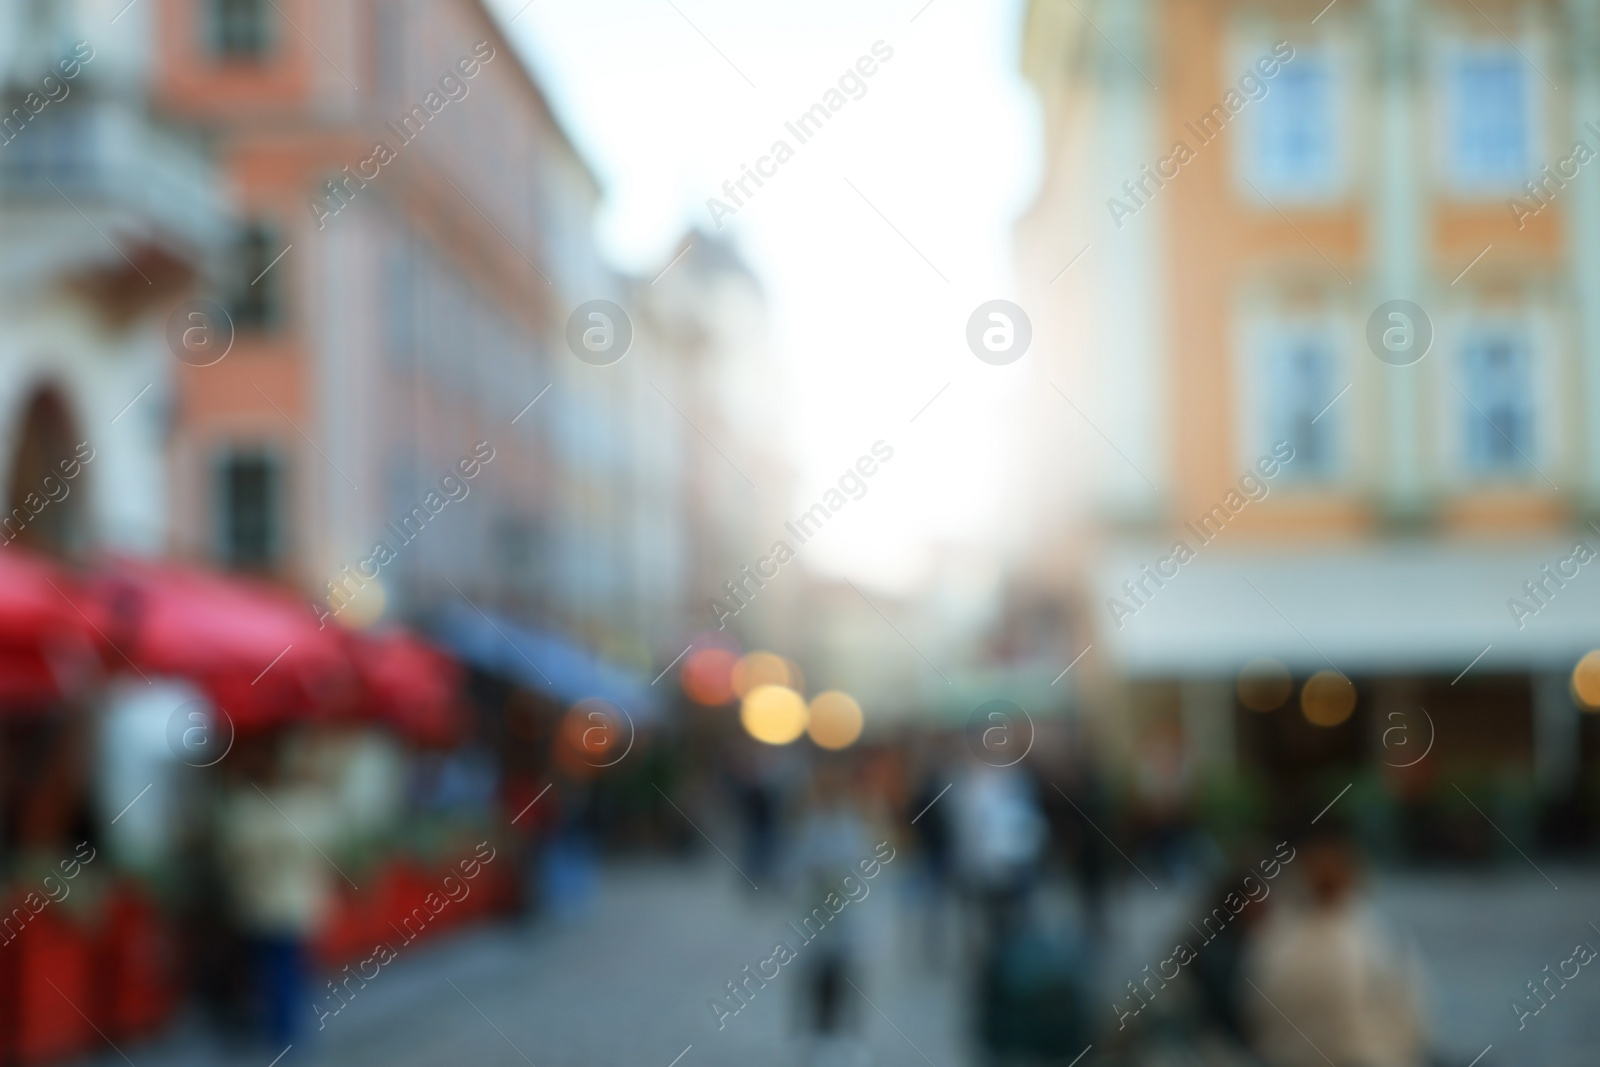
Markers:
277,700
50,663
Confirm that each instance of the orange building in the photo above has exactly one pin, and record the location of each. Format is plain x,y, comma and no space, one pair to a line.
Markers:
1320,290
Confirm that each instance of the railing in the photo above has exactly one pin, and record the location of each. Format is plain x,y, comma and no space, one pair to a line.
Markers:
109,157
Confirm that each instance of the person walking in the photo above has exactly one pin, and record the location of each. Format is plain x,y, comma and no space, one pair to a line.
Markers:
275,828
933,829
1340,992
1000,837
832,839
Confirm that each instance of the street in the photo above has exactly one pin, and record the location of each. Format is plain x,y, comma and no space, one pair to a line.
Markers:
628,983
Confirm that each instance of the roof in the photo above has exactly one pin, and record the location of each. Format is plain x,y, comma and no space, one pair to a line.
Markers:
540,97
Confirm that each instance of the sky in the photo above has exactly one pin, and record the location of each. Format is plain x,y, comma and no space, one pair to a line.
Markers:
874,242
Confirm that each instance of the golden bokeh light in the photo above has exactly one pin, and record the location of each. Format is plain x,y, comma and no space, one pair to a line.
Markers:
1586,681
1264,684
757,669
773,714
836,720
1327,699
708,676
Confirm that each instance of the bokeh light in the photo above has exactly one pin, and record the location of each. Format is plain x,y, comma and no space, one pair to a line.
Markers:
757,669
708,676
774,714
1264,684
836,720
596,730
1327,699
1586,681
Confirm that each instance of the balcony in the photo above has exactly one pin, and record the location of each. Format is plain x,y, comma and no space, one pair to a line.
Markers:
95,191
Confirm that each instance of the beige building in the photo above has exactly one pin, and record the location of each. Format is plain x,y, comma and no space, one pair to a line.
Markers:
1234,195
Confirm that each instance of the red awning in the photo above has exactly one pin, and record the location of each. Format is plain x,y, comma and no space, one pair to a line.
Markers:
410,685
258,654
48,648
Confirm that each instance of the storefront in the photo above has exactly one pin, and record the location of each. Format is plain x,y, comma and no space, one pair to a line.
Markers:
1401,664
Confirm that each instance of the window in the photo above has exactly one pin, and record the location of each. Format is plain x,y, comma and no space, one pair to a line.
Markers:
250,511
1293,147
1498,405
1489,121
257,302
241,29
59,149
1301,379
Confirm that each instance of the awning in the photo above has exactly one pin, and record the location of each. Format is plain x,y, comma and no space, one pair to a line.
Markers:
546,663
47,646
1395,609
258,653
410,685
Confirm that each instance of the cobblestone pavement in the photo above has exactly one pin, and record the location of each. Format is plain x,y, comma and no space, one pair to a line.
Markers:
1483,939
1480,937
628,983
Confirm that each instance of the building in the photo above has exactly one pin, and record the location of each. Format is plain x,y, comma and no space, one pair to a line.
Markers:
1249,187
392,307
415,248
110,217
733,401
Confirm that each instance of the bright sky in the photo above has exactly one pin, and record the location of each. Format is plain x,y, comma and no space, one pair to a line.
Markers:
658,96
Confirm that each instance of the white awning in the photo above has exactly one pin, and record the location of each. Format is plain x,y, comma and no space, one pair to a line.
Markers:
1423,608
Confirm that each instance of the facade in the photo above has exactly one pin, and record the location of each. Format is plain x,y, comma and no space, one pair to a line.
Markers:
415,232
392,307
1244,229
733,402
111,216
